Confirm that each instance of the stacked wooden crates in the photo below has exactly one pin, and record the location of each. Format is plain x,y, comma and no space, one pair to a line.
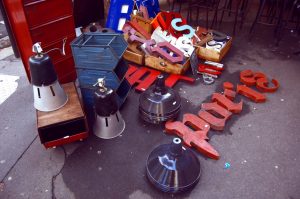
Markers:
99,55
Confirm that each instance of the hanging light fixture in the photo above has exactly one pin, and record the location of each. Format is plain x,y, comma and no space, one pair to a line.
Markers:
109,122
47,91
159,103
172,168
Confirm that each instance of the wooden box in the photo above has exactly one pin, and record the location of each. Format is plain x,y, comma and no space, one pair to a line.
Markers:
165,66
134,57
65,125
212,55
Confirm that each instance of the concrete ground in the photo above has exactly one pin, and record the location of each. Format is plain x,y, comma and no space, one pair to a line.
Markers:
261,144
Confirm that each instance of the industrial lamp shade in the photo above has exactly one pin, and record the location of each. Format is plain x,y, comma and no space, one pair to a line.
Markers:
172,168
159,103
109,122
48,93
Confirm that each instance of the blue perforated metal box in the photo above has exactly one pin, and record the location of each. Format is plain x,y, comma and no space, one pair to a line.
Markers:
99,55
113,78
98,50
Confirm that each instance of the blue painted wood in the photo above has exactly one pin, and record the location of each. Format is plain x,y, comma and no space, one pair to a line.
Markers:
87,97
87,78
151,5
115,14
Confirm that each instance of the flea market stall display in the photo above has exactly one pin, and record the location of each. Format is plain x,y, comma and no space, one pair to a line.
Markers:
142,49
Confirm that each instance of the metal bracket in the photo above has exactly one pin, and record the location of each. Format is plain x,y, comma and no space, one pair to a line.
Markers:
208,79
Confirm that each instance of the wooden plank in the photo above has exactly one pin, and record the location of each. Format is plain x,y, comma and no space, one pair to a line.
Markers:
134,57
204,40
140,29
144,23
66,140
70,111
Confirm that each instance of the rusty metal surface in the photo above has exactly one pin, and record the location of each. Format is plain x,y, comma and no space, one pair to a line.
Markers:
227,103
262,85
197,139
251,94
215,115
228,85
173,79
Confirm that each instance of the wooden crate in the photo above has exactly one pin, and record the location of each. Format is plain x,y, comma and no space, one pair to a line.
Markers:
165,66
134,57
65,125
212,55
144,23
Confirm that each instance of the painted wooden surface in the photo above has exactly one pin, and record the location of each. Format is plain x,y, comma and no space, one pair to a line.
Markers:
134,57
98,51
72,110
46,21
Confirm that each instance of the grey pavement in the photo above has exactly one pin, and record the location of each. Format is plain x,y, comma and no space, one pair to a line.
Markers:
261,144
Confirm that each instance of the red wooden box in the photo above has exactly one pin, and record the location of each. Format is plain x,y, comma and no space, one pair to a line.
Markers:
46,21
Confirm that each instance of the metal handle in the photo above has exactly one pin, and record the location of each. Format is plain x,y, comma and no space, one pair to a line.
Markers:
62,50
163,64
101,84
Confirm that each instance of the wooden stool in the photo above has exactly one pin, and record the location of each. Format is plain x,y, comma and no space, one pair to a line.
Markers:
65,125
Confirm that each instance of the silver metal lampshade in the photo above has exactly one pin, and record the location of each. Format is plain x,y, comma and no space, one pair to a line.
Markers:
48,93
109,127
49,98
109,122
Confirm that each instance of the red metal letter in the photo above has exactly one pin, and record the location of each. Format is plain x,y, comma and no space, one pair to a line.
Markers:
251,94
173,79
227,103
230,94
215,115
228,85
165,45
262,85
143,84
191,138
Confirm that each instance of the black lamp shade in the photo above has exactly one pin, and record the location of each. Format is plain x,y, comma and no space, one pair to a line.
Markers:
159,103
173,169
105,102
42,70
